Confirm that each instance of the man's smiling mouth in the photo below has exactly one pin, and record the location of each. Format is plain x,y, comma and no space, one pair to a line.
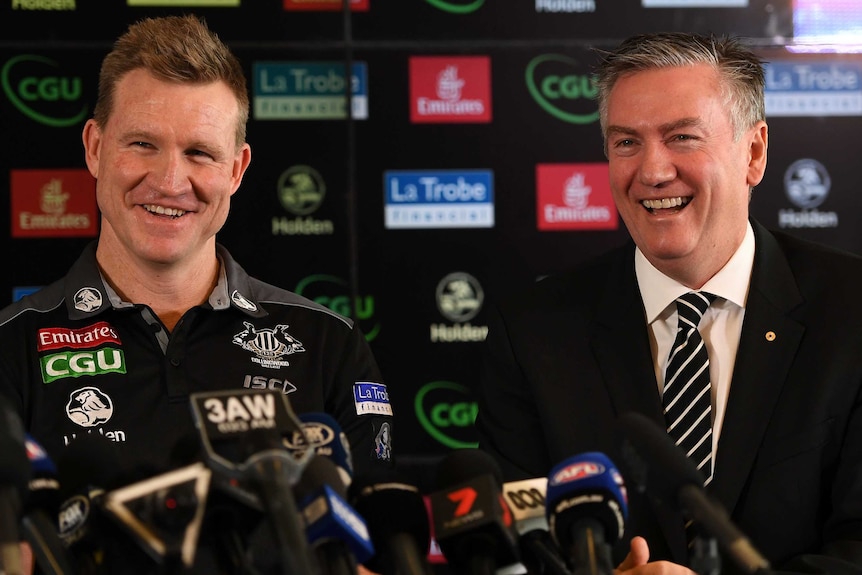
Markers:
162,211
665,203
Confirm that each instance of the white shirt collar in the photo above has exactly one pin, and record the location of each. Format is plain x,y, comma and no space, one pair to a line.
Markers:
730,283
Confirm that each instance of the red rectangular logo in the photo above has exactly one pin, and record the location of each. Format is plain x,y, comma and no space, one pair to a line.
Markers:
324,5
83,338
53,204
450,89
574,197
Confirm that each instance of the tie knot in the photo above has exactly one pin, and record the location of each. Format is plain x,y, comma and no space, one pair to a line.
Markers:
693,305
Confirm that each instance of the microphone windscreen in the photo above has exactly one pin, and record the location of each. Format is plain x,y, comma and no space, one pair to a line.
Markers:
90,460
659,462
462,465
319,471
391,505
14,465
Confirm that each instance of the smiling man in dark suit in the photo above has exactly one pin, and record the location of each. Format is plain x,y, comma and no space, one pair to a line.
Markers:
686,139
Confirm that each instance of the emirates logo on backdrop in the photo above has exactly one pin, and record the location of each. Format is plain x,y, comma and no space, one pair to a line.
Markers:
450,89
53,203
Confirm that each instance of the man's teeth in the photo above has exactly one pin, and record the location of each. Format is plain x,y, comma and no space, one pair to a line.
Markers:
174,213
665,203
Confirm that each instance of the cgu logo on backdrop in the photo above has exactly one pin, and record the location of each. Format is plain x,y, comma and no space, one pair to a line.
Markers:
34,85
457,7
562,88
447,413
330,291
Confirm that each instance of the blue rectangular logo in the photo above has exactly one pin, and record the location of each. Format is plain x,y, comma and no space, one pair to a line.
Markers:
813,88
439,199
371,398
308,91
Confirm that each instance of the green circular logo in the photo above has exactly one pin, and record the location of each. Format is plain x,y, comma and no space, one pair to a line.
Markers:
555,86
301,190
456,8
453,414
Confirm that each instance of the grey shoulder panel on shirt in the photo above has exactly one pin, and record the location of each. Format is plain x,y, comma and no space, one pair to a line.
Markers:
45,300
269,294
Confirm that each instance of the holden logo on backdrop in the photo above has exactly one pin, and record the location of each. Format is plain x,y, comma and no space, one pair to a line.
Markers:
332,292
459,298
447,413
563,88
565,6
301,190
37,87
454,7
807,184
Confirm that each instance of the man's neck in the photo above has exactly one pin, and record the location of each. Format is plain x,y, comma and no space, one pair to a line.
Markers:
169,290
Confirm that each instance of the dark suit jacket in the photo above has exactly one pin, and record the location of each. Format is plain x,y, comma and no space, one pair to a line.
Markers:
571,354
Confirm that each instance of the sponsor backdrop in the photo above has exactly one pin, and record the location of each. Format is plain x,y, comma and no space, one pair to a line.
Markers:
471,163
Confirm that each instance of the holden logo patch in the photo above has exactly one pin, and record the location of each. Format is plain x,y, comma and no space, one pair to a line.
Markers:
89,407
88,299
242,301
269,345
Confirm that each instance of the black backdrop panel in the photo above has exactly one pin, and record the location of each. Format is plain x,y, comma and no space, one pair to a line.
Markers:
310,215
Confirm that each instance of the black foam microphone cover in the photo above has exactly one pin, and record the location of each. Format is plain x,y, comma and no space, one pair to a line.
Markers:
393,509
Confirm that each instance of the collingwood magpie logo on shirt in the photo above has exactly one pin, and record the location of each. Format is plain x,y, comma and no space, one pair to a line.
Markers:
268,345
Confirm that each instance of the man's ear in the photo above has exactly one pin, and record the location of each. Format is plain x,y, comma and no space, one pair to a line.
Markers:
758,143
92,138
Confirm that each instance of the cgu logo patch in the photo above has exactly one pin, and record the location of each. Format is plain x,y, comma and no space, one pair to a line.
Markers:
77,363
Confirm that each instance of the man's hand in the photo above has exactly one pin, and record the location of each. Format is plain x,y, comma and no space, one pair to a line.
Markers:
637,562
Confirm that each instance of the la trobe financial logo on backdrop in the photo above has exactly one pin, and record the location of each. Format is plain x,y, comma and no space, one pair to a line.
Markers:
438,199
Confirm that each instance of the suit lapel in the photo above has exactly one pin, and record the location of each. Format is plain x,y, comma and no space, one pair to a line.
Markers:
767,347
620,344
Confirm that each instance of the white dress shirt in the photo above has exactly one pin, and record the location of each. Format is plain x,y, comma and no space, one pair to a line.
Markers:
720,327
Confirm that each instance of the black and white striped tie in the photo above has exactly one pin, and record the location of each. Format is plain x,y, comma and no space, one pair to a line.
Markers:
686,397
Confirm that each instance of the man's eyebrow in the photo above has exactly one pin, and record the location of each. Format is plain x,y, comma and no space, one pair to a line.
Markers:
692,122
681,123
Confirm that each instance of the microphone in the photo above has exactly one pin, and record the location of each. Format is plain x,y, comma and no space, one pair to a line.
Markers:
472,523
243,435
336,532
587,508
86,467
164,513
669,475
398,521
39,521
14,476
539,552
322,433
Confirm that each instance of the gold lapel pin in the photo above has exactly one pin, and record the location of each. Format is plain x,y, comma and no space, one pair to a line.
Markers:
770,336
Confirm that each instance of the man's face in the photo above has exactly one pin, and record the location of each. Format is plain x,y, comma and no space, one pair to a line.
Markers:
679,180
166,166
